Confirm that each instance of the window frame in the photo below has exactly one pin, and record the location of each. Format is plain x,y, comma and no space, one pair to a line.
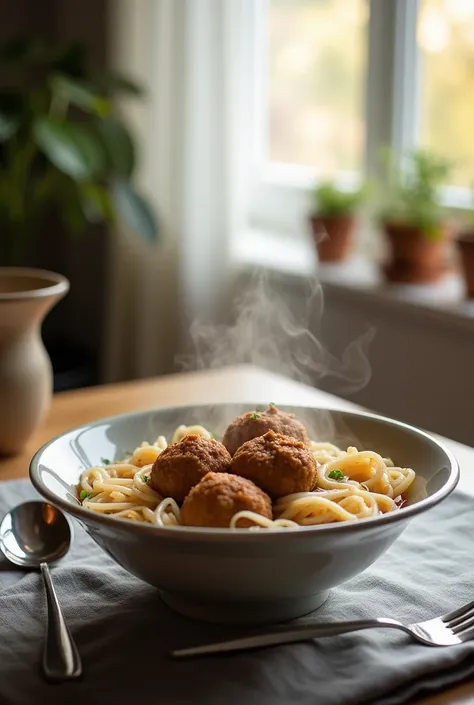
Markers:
279,195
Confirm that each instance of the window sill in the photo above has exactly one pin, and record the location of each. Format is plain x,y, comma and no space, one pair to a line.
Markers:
359,277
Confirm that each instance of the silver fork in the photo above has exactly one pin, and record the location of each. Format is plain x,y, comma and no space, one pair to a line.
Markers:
452,628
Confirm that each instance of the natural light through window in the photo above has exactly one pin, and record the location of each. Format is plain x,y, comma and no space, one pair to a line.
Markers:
317,82
446,41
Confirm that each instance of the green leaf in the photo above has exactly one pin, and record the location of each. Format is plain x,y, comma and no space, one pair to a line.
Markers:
118,145
331,201
96,203
11,106
111,82
134,209
81,94
413,193
72,148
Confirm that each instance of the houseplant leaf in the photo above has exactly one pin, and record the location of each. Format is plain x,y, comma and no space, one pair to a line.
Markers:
72,148
118,145
79,93
133,208
96,202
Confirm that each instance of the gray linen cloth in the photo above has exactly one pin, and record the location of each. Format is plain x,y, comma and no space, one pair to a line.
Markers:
124,632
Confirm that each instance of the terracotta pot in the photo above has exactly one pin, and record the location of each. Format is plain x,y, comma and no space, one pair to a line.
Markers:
333,236
26,296
415,258
401,273
466,248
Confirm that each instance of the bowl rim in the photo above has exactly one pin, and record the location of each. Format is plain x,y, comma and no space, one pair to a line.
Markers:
187,533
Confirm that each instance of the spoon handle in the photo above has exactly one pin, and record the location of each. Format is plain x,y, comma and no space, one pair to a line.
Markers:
61,660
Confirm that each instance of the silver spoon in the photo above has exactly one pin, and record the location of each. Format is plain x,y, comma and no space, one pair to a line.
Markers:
33,535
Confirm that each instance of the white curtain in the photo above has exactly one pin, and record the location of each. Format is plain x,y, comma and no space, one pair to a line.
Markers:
185,53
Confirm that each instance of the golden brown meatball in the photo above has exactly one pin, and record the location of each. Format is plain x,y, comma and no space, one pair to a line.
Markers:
215,500
256,423
180,466
278,464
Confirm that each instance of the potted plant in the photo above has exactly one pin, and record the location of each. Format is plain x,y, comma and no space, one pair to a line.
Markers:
63,147
64,150
413,219
334,219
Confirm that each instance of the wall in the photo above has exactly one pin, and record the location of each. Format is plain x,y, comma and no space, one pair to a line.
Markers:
421,360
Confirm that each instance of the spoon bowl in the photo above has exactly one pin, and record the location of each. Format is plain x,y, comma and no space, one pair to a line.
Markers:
33,533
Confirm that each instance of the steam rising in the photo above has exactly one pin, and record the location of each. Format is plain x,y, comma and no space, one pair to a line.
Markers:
268,333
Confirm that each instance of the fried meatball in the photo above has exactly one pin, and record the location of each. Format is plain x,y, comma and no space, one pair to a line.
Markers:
181,465
256,423
215,500
280,465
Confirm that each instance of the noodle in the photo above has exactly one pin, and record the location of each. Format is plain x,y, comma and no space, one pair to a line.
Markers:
351,485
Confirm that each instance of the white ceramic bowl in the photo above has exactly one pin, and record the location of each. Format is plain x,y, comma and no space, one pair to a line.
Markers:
240,576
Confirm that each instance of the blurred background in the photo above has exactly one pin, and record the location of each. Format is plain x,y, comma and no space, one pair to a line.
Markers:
264,129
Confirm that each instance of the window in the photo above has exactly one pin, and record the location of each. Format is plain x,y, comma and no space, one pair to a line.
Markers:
317,74
340,78
446,41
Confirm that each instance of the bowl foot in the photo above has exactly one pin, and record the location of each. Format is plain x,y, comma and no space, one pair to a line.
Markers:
245,611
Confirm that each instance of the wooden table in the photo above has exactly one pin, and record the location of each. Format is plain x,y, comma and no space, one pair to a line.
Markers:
237,384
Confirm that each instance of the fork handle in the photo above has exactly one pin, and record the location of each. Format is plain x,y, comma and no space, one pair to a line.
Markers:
288,636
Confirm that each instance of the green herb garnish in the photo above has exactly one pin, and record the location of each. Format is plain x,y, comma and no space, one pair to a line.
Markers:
146,479
255,415
105,461
84,495
336,474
